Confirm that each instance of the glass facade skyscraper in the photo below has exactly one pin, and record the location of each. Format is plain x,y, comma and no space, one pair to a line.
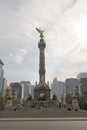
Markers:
1,76
70,83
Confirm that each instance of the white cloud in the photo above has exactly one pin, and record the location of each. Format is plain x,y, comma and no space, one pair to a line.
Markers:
65,49
18,56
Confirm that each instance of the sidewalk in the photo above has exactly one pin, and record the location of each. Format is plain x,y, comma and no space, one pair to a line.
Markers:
45,119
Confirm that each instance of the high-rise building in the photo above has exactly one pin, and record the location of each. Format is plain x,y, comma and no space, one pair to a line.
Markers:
26,89
70,83
82,83
32,91
5,87
57,88
81,75
1,76
16,90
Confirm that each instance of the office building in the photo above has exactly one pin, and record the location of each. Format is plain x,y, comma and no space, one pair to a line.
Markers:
26,89
16,90
57,88
1,76
5,87
82,83
70,83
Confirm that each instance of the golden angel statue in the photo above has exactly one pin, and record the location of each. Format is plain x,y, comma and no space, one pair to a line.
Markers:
41,32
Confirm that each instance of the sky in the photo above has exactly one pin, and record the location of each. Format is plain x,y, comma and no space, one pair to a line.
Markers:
65,25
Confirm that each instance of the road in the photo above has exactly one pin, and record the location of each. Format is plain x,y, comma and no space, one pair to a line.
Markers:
43,125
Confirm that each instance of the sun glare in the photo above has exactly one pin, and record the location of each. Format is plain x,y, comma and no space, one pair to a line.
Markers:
81,30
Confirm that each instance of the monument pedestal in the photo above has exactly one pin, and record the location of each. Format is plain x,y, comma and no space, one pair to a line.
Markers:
42,92
8,103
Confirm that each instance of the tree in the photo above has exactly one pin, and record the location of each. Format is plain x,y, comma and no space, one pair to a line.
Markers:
82,101
68,99
2,103
15,101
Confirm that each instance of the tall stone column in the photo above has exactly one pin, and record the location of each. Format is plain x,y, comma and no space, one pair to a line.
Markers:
41,89
42,46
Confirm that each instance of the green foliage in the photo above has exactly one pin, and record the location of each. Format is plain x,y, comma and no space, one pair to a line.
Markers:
15,101
54,97
62,98
68,99
2,104
82,101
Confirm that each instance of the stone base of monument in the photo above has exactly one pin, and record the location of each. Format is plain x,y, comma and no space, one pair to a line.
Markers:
8,103
75,104
42,93
43,104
